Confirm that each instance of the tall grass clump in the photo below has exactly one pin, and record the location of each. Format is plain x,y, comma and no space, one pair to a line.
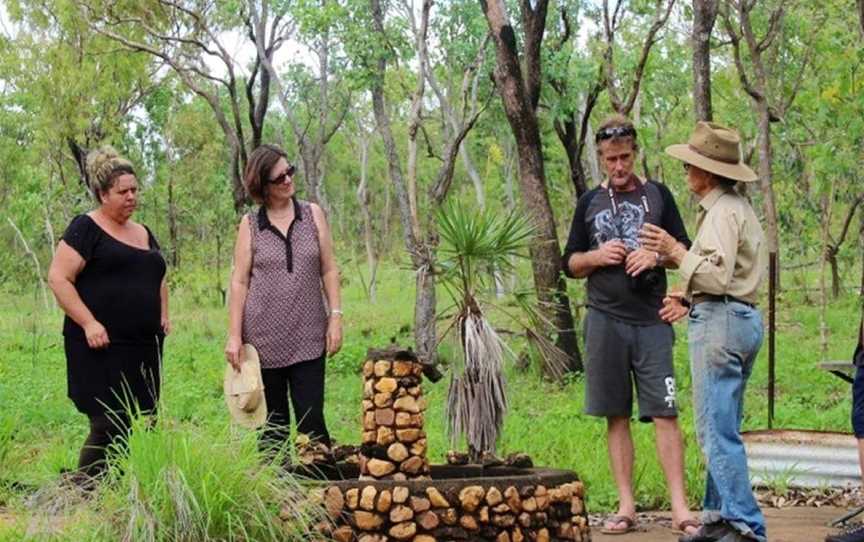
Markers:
7,435
7,438
179,484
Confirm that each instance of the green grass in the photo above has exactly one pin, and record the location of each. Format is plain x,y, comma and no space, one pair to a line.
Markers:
186,454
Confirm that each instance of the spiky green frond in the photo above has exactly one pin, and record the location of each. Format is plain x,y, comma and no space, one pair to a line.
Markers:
473,240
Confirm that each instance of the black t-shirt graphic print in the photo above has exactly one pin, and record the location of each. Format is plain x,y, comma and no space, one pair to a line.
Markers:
601,217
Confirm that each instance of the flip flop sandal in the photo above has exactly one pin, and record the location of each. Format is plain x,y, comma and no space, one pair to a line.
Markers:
629,525
681,527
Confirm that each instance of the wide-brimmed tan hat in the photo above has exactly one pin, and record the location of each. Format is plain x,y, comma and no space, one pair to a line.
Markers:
715,148
244,390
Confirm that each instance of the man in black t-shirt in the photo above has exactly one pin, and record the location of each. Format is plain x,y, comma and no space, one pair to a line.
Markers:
625,337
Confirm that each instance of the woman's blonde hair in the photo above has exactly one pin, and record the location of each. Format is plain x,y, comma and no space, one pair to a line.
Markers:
104,165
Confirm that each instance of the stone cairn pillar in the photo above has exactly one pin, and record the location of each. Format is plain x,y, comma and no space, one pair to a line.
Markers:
394,443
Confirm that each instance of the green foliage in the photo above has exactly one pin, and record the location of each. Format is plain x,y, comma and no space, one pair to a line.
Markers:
177,484
474,241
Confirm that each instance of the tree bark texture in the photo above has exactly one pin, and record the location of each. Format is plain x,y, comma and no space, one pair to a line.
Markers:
311,139
519,105
363,200
861,16
611,21
424,305
704,16
739,27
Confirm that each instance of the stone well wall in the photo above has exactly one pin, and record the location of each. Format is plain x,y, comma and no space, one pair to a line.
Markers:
392,493
393,442
501,511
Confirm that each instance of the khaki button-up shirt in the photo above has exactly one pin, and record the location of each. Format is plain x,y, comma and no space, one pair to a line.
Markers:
728,254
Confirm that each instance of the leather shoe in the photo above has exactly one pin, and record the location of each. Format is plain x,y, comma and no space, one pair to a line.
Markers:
712,532
851,534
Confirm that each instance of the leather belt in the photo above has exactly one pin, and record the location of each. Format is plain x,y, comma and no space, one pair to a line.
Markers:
701,298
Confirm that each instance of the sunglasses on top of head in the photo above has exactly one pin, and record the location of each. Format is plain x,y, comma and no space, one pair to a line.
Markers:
279,179
614,131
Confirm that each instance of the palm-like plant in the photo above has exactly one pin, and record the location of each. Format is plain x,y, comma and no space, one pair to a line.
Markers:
473,244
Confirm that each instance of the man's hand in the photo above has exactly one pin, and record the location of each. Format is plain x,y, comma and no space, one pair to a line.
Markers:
640,260
610,253
673,309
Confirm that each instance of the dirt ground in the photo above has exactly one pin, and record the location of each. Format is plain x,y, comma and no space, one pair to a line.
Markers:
798,524
794,524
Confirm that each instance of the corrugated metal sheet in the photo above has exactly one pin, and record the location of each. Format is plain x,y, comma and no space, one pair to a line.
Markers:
809,459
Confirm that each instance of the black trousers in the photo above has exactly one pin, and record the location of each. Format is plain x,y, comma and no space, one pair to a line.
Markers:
304,382
105,430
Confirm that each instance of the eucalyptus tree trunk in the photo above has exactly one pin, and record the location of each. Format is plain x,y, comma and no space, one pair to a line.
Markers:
520,96
572,125
861,16
827,207
572,131
591,157
623,103
832,247
704,16
363,200
424,300
422,254
172,225
766,157
312,139
474,175
861,244
739,28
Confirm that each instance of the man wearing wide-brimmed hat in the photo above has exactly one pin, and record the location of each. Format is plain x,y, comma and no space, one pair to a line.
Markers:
720,275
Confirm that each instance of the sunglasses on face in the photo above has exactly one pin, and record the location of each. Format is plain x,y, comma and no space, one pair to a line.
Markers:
614,131
279,179
686,166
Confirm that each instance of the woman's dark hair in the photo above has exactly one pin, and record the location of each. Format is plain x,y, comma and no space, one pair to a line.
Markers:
103,166
256,178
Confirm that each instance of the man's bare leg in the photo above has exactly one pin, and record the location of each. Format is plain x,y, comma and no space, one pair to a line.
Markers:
670,450
620,444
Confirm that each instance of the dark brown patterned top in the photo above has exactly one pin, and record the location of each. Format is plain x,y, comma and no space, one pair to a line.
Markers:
284,317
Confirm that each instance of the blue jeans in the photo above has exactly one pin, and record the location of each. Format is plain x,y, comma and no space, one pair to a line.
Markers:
724,340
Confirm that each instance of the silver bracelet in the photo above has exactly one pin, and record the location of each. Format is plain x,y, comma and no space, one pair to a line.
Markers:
335,311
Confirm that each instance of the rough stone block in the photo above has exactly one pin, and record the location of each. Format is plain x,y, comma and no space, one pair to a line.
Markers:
400,494
384,416
367,498
379,468
469,497
367,521
436,498
386,385
382,368
403,531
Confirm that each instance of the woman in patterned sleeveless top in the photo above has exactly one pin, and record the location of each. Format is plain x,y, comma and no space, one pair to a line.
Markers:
284,297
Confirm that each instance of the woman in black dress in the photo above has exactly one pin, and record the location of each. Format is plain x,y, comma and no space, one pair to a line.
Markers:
109,278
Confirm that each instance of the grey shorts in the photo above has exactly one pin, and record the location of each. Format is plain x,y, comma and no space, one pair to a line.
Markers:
619,354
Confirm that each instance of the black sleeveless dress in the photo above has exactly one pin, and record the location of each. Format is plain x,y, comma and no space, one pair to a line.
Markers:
120,285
